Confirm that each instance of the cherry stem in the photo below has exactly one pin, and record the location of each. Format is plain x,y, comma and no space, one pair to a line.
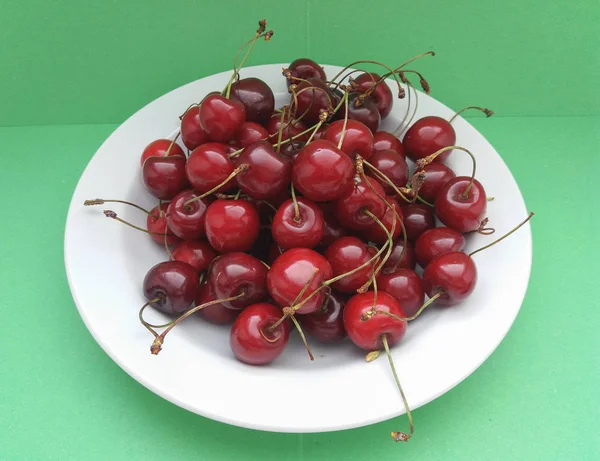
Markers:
101,201
488,113
376,83
503,237
412,317
172,143
111,214
166,241
374,290
343,135
290,312
337,84
296,207
240,169
389,244
157,344
301,333
385,178
423,201
150,326
424,84
312,135
280,133
398,436
414,113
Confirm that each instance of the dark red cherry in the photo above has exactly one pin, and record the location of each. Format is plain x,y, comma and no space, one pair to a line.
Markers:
186,220
322,172
232,225
384,140
269,174
249,133
262,246
192,133
252,341
436,177
417,219
333,230
367,334
305,230
256,96
289,129
215,313
274,253
358,139
197,253
408,260
208,166
313,96
221,118
392,165
452,274
460,212
326,324
428,135
234,273
164,177
374,233
437,241
406,288
350,207
159,148
305,68
292,149
363,110
344,255
157,222
171,286
382,94
290,273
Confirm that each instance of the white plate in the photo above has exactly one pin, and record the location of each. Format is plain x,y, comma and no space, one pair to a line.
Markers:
106,263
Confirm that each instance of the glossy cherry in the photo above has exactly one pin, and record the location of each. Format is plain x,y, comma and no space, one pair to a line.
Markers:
322,172
382,93
290,129
363,110
345,254
159,148
221,118
374,233
384,140
257,98
186,220
417,219
350,207
458,211
408,260
453,275
392,165
291,272
437,241
326,324
252,341
358,139
231,225
208,166
332,230
304,230
171,286
406,288
156,224
215,313
304,68
313,96
197,253
249,133
164,177
436,177
428,135
192,134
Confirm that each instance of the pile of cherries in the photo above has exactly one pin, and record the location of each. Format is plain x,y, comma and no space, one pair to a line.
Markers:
308,215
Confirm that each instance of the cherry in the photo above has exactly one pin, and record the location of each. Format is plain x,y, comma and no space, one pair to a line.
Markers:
374,233
208,166
197,253
249,133
192,133
301,227
344,255
461,204
436,176
350,207
269,174
221,118
164,177
304,68
186,220
428,135
321,131
332,230
382,93
326,324
417,219
251,340
363,110
322,172
290,128
161,148
312,97
232,225
406,288
297,271
292,149
156,223
384,140
257,98
215,313
452,276
437,241
392,165
171,286
235,274
408,257
358,139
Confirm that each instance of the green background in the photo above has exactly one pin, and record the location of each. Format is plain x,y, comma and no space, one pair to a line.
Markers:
71,71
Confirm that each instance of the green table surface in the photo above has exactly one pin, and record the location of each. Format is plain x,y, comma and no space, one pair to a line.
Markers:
536,398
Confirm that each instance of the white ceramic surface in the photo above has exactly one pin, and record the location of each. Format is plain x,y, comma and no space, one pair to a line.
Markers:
106,263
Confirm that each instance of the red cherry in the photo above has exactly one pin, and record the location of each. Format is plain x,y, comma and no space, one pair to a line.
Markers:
256,96
417,219
452,275
186,220
251,340
159,148
384,140
304,68
171,286
232,225
304,231
344,255
406,288
313,96
197,253
358,139
221,118
164,177
322,172
215,313
350,207
333,230
436,176
437,241
374,233
367,334
249,133
289,130
364,111
327,324
392,165
269,174
156,224
458,211
382,94
408,257
192,134
291,272
208,166
428,135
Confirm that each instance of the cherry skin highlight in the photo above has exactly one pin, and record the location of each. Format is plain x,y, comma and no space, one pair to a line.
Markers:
428,135
304,231
384,140
231,225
